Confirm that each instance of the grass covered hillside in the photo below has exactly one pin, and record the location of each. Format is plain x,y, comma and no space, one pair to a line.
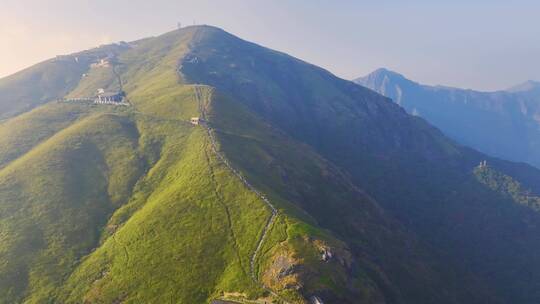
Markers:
49,80
296,187
108,204
114,190
412,170
55,197
379,249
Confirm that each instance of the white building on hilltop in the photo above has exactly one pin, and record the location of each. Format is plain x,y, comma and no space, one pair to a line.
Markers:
117,98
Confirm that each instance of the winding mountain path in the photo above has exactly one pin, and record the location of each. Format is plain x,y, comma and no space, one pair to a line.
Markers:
223,159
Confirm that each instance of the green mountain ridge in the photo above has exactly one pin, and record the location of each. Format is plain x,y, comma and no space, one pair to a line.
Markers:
49,80
116,204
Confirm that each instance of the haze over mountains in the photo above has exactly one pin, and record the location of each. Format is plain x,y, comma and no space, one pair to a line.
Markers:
135,204
504,123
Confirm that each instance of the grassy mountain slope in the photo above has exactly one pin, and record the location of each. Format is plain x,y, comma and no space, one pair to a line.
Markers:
39,84
19,135
104,204
55,197
183,235
49,80
110,204
422,178
398,266
85,187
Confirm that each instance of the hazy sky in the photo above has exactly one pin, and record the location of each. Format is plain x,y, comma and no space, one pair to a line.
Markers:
480,44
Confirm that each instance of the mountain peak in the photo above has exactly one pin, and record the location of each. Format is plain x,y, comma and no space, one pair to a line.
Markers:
199,27
385,72
383,76
200,30
386,82
527,86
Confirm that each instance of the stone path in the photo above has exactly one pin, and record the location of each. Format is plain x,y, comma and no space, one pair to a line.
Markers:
224,160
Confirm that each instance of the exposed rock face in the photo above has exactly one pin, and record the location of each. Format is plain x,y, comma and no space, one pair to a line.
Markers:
316,300
283,272
326,255
320,262
326,252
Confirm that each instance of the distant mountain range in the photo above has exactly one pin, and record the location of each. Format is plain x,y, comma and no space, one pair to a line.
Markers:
234,173
504,123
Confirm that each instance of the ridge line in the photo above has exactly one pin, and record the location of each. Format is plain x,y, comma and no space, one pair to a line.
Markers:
251,188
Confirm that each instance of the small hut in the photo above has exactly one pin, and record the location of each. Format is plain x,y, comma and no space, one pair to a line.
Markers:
195,120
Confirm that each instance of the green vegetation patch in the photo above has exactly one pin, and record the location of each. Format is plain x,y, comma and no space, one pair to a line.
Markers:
508,186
